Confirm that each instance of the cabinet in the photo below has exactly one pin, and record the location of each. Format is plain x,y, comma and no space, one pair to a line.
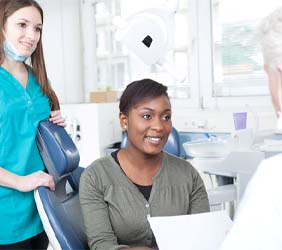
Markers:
93,127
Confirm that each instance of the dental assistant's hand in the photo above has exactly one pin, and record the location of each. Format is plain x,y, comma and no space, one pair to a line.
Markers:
32,181
56,117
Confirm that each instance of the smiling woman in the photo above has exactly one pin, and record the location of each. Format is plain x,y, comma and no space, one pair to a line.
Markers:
147,118
23,32
119,192
26,98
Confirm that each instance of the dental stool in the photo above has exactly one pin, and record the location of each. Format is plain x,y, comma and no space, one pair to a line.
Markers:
60,210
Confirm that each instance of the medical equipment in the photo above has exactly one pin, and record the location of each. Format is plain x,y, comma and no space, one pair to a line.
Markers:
59,210
235,156
73,129
220,146
149,34
230,156
208,147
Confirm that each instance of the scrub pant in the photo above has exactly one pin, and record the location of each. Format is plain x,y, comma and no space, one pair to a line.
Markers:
38,242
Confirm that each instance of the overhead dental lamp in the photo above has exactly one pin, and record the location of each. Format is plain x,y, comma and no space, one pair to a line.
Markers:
149,34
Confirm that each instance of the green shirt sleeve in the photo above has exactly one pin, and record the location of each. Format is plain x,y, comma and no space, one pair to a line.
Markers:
115,212
199,202
96,216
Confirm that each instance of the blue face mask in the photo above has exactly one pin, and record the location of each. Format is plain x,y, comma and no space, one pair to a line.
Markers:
12,53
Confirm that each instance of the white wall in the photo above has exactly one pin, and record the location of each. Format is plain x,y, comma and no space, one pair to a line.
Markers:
62,46
220,119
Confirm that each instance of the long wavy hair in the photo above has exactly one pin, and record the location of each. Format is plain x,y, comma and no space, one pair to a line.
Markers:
7,8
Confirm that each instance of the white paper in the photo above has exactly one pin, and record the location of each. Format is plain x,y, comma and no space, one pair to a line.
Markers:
205,231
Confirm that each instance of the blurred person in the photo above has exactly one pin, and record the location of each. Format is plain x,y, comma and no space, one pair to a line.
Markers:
270,37
258,220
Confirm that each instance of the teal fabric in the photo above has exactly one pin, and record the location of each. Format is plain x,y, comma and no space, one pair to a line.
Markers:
20,112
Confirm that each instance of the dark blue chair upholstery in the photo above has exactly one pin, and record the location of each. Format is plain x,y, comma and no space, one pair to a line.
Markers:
60,210
172,145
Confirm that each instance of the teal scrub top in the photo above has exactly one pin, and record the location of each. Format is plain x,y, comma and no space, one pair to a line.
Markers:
20,112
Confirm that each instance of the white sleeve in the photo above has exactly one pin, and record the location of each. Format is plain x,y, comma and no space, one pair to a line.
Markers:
258,222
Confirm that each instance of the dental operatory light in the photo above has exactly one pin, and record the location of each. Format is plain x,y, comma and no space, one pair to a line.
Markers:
149,34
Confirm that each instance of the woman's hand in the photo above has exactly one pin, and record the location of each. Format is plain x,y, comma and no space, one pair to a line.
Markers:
32,181
57,118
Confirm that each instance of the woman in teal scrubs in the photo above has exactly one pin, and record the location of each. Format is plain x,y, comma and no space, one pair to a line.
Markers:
26,98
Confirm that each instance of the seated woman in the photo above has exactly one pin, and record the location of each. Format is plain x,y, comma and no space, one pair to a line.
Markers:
119,192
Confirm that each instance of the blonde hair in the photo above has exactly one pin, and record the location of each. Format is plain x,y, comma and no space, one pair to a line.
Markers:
270,37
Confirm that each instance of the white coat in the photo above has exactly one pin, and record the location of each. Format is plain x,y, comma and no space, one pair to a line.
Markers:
258,221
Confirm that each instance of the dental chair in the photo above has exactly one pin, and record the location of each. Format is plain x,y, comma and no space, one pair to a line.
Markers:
60,209
172,145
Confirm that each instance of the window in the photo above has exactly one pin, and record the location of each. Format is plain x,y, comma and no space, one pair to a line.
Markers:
117,66
237,60
215,48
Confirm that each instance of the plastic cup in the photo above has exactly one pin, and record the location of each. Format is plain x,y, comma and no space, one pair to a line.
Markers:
240,120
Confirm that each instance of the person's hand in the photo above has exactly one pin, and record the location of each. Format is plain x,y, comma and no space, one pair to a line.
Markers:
32,181
56,117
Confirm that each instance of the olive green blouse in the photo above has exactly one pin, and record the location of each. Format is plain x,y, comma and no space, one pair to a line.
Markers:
115,212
